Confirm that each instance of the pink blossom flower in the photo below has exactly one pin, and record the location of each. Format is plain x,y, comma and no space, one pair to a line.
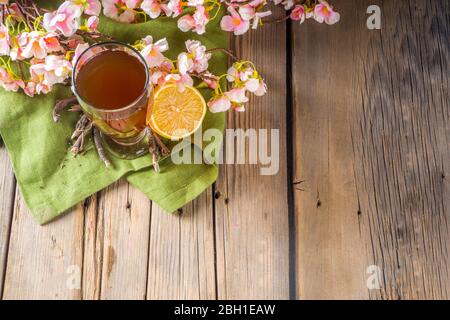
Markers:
35,44
30,88
237,95
36,87
323,12
158,76
258,17
60,66
92,23
81,47
93,7
256,86
13,85
181,80
201,19
251,11
50,42
232,73
196,22
65,20
199,55
4,1
234,98
154,8
298,14
120,10
247,12
234,23
195,3
213,84
247,78
54,70
152,52
175,7
262,89
185,63
132,4
195,60
16,53
31,46
37,83
8,82
186,23
288,4
243,74
238,107
4,41
90,7
219,103
210,80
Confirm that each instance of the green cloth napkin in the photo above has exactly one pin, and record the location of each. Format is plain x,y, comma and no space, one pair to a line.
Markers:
52,180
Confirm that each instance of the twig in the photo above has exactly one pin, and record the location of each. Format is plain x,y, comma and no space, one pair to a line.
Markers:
75,108
277,20
83,126
3,10
153,149
226,51
155,157
98,145
164,150
59,107
24,13
93,35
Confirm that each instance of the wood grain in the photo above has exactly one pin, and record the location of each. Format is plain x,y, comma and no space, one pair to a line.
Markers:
181,259
116,244
405,154
251,210
7,191
93,249
330,251
44,262
371,152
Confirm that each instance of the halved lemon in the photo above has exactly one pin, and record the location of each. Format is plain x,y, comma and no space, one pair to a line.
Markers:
176,115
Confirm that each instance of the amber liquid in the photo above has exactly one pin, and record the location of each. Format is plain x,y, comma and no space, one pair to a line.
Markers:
113,80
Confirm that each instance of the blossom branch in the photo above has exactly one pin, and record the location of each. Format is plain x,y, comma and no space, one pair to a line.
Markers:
61,105
226,51
99,147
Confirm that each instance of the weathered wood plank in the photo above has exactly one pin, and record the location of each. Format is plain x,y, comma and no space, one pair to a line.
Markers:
181,260
372,128
251,210
7,192
116,244
330,255
44,262
405,154
93,249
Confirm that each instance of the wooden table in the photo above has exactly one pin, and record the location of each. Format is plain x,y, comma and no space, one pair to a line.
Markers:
363,184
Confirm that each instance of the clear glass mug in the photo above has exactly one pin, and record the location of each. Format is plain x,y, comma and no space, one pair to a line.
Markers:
123,130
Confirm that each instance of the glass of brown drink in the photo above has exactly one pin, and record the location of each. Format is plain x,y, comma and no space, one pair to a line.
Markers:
111,83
